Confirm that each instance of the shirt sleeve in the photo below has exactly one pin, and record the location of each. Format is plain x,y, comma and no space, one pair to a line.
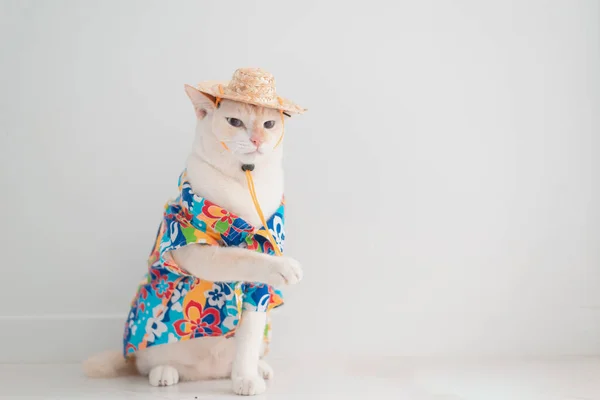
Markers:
176,232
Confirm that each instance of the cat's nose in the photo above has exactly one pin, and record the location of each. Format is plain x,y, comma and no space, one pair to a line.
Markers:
257,141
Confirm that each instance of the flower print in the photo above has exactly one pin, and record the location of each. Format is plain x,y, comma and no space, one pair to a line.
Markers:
162,286
184,217
199,322
187,196
215,296
131,326
154,326
267,247
197,198
222,225
140,306
174,268
278,231
256,297
267,332
221,218
127,330
130,349
219,294
187,214
227,218
213,211
214,310
251,242
200,225
230,322
177,307
173,238
177,297
276,299
173,231
261,304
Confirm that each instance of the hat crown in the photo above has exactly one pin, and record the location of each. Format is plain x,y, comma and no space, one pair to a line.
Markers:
254,83
252,86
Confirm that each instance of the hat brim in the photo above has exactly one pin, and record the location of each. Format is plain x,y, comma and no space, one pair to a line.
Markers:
212,88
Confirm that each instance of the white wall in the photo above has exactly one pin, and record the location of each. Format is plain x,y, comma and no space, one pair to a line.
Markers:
443,190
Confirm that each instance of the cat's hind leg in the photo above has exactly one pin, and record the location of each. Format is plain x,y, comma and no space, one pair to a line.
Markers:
163,375
191,360
265,370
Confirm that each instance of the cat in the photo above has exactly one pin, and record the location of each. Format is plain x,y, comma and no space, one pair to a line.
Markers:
228,134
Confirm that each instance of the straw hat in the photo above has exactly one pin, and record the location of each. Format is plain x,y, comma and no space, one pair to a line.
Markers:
252,86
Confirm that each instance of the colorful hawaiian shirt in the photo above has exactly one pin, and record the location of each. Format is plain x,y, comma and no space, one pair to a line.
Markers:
172,305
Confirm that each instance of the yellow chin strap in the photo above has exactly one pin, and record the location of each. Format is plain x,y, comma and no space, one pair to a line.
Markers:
248,168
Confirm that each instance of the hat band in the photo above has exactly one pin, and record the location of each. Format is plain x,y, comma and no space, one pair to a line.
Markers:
218,99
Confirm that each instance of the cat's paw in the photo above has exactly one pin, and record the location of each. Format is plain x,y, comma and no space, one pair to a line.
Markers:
249,385
163,375
285,271
265,370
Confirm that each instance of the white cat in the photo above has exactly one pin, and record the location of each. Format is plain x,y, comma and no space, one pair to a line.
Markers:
250,134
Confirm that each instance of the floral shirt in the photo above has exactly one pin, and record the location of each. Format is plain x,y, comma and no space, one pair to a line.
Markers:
171,304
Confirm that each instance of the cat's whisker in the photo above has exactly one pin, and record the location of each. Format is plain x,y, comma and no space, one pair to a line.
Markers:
238,143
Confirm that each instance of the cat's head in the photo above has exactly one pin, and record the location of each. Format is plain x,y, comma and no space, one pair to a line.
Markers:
250,134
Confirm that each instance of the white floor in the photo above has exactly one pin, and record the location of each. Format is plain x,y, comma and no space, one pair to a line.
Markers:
573,378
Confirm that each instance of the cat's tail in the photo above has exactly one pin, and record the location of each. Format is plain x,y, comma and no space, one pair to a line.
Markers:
109,364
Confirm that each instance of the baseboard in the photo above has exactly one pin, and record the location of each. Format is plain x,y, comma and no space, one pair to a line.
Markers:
60,338
73,338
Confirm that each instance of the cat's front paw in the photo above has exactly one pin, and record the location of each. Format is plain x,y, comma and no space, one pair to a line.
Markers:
248,385
163,375
285,271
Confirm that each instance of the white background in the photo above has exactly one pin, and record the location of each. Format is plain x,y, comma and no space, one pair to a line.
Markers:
443,189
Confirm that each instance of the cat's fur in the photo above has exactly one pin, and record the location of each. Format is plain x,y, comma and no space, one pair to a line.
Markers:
214,173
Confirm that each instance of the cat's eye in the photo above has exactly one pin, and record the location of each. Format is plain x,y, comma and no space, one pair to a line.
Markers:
235,122
269,124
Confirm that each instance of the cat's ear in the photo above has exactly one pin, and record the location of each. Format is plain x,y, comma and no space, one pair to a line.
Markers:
202,102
